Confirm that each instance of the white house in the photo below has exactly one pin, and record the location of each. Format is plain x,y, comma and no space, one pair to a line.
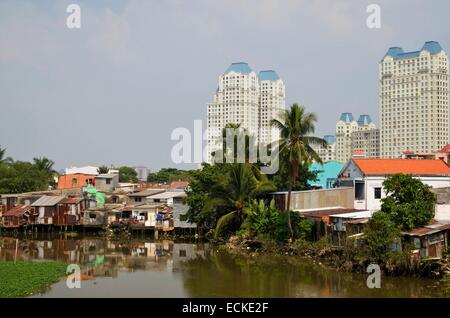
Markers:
366,176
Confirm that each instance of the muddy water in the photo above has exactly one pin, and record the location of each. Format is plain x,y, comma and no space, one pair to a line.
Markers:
142,268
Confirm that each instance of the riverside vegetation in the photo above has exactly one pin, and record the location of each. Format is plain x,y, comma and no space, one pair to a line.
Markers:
227,201
20,279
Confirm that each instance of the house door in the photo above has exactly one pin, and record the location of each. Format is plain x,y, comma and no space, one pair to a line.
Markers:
432,250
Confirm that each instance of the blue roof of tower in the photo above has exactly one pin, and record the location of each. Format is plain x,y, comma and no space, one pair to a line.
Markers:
239,67
330,139
268,75
364,120
397,53
346,117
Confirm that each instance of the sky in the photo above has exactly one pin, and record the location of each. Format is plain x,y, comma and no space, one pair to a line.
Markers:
113,91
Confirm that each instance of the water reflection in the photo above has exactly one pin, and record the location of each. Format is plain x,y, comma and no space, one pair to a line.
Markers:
141,268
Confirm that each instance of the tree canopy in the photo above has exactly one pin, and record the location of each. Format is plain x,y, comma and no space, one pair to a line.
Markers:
167,175
127,174
409,202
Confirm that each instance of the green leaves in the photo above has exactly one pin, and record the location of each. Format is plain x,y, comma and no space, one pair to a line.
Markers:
166,175
409,202
127,174
19,176
380,232
24,278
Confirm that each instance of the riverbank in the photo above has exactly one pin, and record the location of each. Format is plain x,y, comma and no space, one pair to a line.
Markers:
21,279
346,259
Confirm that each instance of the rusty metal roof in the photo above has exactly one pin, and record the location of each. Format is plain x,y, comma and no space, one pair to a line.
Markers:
71,201
328,212
428,229
18,210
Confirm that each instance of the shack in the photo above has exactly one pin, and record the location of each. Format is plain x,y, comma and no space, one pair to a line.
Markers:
322,221
144,216
140,197
18,217
69,211
429,241
47,207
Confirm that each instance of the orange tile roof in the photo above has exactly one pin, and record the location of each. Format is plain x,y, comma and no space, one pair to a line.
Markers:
445,149
405,166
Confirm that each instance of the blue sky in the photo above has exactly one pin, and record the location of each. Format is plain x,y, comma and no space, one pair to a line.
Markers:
113,91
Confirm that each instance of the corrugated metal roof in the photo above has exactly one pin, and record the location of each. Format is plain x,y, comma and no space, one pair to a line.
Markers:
71,201
146,193
18,210
428,229
167,195
328,212
354,215
47,200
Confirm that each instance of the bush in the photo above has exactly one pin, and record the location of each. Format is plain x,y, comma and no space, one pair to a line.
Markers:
409,202
380,233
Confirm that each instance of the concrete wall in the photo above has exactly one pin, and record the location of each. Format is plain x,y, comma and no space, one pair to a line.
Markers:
316,199
373,204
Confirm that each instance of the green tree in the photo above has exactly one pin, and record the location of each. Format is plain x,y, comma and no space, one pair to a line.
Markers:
127,174
19,177
4,159
46,165
380,232
281,178
167,175
233,193
103,169
409,202
262,218
296,126
200,184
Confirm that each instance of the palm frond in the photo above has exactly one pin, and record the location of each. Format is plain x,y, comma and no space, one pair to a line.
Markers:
224,219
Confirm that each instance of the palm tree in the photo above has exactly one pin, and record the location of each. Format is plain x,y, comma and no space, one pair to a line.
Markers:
2,156
103,169
296,126
234,192
45,164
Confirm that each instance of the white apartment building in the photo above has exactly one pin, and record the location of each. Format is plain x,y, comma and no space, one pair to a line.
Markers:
414,100
367,142
271,103
248,99
345,127
327,153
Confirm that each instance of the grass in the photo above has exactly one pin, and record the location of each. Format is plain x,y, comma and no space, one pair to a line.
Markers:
25,278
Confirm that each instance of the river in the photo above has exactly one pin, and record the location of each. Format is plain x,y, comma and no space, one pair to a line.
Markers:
140,267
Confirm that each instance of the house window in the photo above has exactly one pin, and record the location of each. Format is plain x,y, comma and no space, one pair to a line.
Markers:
74,181
377,193
182,253
108,181
138,199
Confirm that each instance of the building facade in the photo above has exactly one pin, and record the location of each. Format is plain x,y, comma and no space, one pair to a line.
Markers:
327,153
366,141
366,177
345,127
248,99
413,100
271,103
